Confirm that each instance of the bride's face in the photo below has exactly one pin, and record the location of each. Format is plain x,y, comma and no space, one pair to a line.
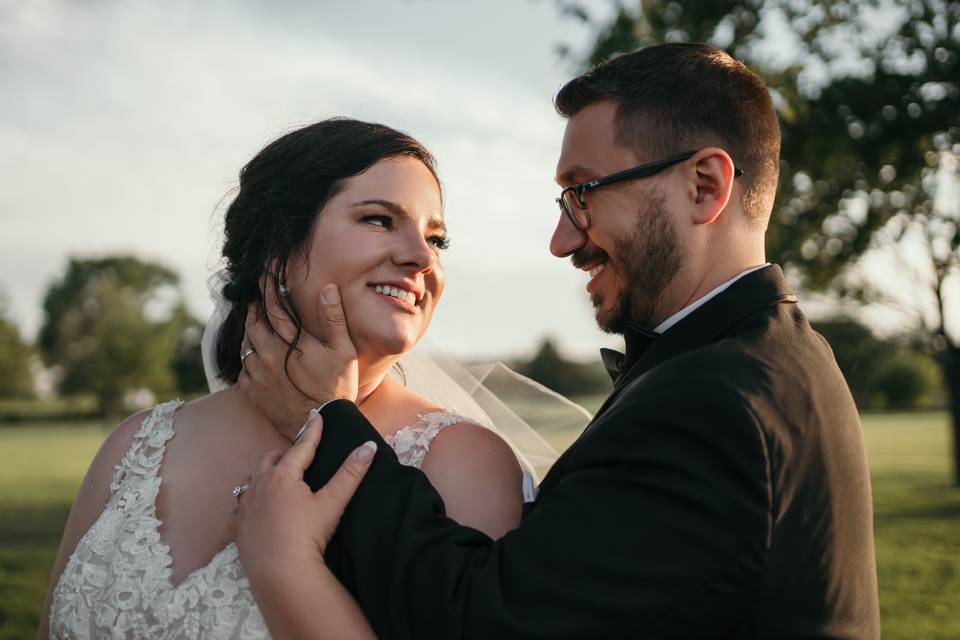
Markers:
379,240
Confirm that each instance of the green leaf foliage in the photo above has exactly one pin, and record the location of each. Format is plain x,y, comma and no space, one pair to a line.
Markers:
16,380
107,329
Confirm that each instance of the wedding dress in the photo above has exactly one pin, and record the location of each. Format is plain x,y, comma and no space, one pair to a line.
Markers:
117,583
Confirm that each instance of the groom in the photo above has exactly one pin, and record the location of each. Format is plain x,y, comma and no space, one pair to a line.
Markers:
722,489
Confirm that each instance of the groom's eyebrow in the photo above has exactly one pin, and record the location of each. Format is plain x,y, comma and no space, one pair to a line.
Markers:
576,175
434,224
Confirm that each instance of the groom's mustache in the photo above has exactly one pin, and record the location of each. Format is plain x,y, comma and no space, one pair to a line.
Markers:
585,256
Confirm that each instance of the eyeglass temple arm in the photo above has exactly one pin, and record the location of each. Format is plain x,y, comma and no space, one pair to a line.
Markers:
646,170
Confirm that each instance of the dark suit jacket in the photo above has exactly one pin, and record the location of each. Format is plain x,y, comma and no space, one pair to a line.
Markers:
721,491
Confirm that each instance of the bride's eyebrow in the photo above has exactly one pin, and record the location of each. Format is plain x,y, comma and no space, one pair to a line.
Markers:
434,224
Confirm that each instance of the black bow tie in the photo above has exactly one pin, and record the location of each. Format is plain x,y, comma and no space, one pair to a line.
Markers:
636,341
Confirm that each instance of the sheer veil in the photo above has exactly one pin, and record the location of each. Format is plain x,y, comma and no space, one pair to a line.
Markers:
535,421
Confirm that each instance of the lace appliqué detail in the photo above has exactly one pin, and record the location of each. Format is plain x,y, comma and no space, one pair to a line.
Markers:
117,583
412,443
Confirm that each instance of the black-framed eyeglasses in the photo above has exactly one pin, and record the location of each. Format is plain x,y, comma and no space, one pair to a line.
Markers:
571,198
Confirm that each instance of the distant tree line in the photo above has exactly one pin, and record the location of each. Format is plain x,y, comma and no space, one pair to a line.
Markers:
565,376
116,324
893,373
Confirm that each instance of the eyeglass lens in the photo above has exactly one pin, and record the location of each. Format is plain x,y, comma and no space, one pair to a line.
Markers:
571,206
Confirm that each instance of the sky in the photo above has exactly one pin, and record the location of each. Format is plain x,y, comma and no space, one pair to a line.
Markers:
123,126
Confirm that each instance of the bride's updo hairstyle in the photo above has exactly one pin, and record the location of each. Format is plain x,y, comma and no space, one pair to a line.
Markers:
282,190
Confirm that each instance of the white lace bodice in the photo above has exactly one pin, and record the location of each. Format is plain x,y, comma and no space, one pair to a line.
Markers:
117,583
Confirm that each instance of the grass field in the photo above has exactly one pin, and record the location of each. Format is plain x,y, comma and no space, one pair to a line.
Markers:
917,519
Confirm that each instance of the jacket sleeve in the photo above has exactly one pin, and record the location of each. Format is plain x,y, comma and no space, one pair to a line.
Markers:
657,530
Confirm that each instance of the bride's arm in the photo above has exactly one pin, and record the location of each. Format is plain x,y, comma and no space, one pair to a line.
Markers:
309,604
93,495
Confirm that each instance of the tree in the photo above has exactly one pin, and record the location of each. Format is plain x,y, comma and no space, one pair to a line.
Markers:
906,380
882,373
111,327
187,357
869,105
565,377
15,358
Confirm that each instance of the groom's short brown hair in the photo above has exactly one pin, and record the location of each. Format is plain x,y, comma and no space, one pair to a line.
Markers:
679,97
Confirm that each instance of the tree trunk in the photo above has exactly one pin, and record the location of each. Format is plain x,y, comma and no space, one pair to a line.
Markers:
952,378
111,405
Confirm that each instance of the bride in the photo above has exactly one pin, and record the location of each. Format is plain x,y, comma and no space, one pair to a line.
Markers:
146,552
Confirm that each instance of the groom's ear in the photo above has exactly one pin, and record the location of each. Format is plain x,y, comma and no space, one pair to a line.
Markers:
711,183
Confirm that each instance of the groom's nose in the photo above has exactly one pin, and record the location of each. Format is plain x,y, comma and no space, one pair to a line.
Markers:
566,238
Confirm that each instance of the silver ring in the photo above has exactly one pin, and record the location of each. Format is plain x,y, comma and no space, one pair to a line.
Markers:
249,352
239,490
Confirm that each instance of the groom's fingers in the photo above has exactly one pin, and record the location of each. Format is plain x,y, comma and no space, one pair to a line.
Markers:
252,332
300,455
338,492
269,350
331,310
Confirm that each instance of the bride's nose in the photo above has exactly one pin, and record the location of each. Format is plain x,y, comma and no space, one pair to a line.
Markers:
413,250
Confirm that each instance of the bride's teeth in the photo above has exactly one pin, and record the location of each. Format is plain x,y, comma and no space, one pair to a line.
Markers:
394,292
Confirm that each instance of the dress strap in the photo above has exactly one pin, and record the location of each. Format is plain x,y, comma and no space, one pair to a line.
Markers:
431,424
142,459
412,443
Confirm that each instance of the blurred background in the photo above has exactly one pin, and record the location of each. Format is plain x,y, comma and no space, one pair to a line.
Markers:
123,127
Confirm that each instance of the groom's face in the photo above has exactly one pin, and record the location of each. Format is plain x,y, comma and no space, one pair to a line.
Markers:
631,250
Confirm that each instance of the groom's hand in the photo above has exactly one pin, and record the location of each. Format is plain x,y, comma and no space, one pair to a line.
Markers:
283,388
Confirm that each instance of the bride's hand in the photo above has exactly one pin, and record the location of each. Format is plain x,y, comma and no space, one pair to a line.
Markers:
281,530
285,389
279,524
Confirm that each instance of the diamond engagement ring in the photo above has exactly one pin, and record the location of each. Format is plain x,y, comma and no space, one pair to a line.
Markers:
249,352
239,490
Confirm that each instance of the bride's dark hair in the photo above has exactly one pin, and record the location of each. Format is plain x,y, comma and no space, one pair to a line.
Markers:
282,190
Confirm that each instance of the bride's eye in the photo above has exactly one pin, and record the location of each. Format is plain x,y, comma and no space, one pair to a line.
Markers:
378,220
440,242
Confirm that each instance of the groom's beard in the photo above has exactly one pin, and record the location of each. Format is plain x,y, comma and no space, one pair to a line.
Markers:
647,261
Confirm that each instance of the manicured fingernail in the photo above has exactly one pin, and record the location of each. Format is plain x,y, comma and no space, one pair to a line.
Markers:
364,453
330,295
300,433
313,413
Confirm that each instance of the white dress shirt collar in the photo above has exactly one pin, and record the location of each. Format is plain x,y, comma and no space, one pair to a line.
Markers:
693,306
